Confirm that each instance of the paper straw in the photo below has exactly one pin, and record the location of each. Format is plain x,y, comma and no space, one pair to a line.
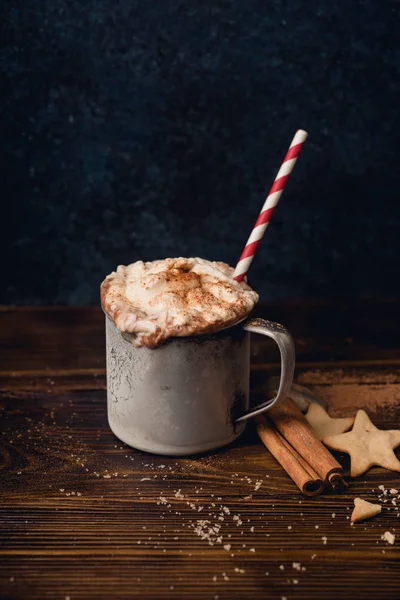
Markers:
272,200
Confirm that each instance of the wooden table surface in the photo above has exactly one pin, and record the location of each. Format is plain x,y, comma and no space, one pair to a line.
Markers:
85,516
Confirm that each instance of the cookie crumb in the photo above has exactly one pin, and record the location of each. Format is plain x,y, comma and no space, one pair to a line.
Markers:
388,537
364,510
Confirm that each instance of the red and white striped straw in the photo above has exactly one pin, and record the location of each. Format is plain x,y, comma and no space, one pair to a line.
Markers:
272,200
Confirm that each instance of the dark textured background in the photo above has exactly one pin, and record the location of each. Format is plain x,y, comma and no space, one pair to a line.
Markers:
143,129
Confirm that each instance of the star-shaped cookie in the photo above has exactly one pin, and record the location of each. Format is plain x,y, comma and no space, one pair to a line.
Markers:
367,445
323,425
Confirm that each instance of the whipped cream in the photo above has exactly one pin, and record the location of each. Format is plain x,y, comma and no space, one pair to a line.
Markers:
174,297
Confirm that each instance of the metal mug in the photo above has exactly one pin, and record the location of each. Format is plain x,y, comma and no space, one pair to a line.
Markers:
191,394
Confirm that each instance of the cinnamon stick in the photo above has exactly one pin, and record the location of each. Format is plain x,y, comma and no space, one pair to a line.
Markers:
299,458
295,466
337,482
293,426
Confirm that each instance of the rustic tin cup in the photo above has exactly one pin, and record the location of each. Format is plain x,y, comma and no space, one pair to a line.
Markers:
191,394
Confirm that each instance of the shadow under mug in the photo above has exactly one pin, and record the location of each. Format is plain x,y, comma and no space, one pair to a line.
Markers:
191,394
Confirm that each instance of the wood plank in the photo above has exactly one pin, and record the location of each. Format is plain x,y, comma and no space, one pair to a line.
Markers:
52,338
84,516
61,338
343,389
330,375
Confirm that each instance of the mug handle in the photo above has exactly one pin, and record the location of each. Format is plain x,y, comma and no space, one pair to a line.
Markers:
283,338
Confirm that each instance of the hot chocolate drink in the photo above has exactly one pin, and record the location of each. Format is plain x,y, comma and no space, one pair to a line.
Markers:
174,297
